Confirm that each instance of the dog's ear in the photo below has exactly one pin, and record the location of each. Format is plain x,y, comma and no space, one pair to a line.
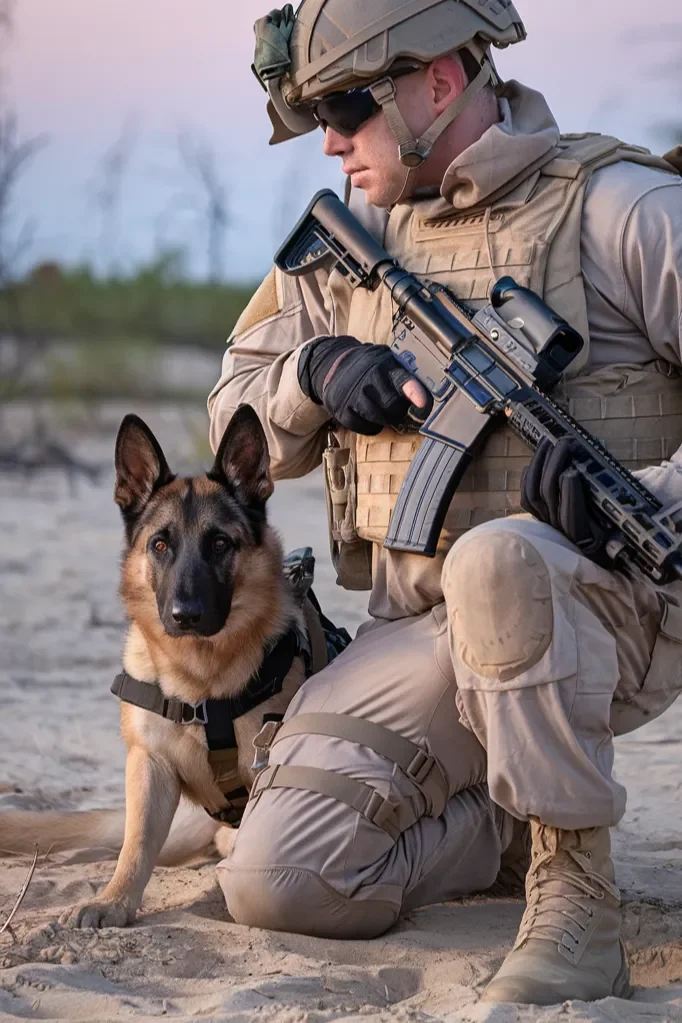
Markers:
141,467
242,460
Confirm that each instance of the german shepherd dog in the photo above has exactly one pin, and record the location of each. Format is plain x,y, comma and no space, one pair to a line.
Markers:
204,589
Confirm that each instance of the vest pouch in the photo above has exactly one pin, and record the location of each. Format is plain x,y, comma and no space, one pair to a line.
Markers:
351,556
663,681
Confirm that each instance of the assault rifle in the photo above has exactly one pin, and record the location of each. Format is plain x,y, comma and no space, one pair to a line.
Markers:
480,367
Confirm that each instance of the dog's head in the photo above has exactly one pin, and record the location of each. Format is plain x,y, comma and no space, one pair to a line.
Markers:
186,537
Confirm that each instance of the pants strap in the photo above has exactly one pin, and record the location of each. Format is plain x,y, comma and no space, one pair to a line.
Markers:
385,813
413,760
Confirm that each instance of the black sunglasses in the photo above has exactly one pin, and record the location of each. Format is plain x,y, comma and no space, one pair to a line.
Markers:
346,112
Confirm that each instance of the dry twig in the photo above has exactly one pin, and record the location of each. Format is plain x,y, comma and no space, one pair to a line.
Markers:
22,893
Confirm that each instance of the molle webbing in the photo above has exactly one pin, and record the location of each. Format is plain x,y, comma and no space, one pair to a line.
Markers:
640,423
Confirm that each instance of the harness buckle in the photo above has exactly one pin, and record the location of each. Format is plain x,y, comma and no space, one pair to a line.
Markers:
382,812
420,767
262,743
199,713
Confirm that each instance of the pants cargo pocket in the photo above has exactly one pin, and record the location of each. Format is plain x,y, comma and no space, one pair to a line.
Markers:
662,683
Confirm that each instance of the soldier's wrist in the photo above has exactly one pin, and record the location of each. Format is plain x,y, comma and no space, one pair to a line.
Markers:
318,361
305,381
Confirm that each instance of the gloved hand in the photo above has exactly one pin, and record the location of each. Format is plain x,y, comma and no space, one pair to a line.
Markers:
360,385
555,493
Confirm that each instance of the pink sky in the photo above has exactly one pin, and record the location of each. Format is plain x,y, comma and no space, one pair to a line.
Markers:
80,68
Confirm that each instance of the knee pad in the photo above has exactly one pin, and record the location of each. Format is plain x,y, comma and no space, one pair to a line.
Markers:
499,598
298,900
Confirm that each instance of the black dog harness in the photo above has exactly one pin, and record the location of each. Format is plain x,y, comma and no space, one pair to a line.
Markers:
218,716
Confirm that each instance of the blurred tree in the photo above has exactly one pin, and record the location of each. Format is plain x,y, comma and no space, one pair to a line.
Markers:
105,191
19,350
206,198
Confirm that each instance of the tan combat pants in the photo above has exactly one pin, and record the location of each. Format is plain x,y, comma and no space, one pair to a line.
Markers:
528,650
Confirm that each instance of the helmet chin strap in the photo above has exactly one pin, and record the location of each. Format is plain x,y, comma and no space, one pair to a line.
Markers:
413,152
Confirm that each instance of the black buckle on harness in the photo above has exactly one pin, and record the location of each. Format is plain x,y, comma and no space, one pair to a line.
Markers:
199,712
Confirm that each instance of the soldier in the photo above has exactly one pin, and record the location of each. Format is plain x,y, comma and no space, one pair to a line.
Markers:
474,715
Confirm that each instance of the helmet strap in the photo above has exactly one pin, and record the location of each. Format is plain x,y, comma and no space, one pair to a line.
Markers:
413,152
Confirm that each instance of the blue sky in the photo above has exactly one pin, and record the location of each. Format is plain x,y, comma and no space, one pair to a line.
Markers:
84,72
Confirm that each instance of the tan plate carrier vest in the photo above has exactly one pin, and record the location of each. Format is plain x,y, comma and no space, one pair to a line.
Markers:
532,232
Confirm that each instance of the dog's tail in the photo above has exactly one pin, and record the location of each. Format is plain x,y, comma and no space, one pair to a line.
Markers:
22,830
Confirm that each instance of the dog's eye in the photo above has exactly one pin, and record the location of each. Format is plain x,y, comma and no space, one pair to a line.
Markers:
220,544
160,546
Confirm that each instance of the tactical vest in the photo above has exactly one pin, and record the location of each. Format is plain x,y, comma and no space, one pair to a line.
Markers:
532,232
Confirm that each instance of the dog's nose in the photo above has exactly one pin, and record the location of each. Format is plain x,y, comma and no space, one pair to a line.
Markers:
187,613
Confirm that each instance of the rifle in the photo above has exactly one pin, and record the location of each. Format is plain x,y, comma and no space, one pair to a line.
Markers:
501,361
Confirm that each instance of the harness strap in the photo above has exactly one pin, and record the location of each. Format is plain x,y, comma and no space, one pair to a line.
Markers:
419,766
269,678
149,696
391,817
216,716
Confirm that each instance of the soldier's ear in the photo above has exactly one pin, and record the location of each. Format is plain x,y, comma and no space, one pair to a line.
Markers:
242,460
141,467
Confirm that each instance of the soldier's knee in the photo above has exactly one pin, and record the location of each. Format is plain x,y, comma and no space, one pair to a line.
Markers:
298,900
499,598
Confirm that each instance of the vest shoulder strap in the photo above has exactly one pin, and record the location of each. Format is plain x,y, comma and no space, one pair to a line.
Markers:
582,154
674,158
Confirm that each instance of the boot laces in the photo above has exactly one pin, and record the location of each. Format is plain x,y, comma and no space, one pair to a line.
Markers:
560,901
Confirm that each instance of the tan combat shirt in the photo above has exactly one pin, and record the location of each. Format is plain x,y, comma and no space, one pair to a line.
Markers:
631,253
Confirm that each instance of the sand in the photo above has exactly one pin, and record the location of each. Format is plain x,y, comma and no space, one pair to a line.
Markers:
60,632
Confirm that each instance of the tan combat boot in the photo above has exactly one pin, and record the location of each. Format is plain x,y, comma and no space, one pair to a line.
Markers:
568,944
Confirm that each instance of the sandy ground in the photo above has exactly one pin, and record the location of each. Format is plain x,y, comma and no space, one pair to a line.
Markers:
60,632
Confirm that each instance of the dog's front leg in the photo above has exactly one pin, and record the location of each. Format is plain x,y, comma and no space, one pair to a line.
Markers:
152,796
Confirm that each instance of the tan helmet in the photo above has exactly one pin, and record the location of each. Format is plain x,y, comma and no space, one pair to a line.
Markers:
334,45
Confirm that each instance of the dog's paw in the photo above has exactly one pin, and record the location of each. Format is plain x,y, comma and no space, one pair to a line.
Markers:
224,839
98,914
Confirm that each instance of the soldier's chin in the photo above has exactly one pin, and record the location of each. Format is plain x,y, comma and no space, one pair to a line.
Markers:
379,193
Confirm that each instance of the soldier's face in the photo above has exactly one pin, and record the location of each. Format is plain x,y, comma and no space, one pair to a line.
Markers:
370,157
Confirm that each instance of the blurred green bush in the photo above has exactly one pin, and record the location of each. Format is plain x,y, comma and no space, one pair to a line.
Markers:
156,304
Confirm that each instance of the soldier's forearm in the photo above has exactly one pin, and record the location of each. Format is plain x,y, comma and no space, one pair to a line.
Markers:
294,425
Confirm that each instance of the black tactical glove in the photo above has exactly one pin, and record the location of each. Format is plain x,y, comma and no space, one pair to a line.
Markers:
360,385
555,493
